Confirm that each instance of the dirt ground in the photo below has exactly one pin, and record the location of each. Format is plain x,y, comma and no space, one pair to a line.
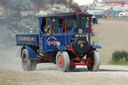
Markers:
110,34
47,74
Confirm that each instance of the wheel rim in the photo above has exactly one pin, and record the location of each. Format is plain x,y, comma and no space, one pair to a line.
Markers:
90,62
60,61
25,59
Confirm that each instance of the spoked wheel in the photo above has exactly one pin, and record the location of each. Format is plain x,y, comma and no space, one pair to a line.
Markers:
62,61
28,65
93,61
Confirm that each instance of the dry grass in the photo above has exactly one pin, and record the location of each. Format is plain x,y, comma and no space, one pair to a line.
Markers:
112,36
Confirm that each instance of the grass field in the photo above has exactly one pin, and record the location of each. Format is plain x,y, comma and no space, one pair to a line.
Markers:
120,63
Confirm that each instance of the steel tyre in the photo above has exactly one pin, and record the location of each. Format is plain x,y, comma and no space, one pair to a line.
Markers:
27,65
62,61
94,61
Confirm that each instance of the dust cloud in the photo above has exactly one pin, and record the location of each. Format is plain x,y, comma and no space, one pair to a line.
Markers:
9,53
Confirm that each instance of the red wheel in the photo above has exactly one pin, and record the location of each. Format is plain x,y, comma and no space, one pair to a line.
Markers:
90,63
93,61
28,65
25,59
62,61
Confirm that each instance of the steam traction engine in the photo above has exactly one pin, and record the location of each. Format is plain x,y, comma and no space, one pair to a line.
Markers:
63,39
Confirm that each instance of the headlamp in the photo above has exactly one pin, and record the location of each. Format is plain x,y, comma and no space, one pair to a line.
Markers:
80,31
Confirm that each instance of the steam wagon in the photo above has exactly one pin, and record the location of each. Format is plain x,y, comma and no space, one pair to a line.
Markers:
64,39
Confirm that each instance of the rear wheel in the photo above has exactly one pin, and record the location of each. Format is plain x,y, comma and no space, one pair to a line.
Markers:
62,61
93,61
27,65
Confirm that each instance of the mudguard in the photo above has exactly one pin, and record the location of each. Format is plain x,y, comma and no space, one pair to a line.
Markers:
32,55
96,47
61,48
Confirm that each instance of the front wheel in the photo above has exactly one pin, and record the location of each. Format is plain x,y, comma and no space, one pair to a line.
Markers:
62,61
93,61
27,65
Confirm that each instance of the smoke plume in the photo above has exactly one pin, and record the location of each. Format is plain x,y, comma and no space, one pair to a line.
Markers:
69,3
74,5
12,4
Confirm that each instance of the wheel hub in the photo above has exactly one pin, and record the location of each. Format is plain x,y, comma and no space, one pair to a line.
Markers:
90,62
60,61
25,59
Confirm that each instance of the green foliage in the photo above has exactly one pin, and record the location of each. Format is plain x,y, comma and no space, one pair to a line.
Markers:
120,63
120,56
